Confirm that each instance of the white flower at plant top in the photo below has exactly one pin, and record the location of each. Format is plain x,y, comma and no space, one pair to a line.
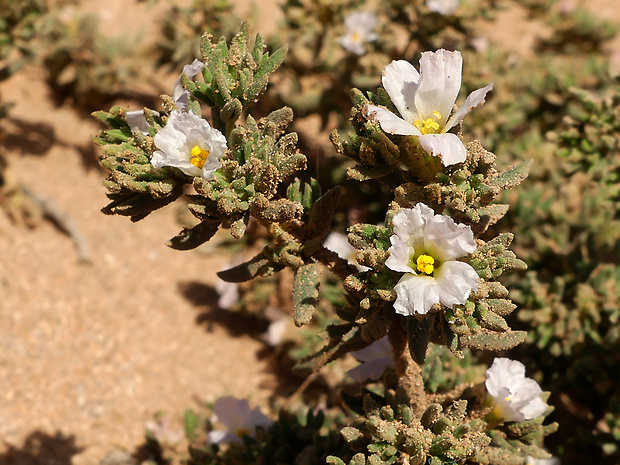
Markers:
425,247
375,359
239,420
551,461
180,95
443,7
360,29
425,100
514,397
189,143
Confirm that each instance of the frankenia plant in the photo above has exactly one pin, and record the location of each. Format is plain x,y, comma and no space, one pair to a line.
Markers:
427,274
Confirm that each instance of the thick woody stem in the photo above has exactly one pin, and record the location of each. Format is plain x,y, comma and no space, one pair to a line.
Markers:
408,371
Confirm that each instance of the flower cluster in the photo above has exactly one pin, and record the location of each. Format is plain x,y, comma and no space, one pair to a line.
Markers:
425,100
425,247
513,396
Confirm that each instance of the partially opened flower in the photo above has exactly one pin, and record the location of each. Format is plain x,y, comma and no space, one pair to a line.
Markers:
425,247
238,418
137,122
513,396
339,243
360,29
375,359
189,143
180,94
443,7
425,100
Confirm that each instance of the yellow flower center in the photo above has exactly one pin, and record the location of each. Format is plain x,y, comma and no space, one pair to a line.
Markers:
355,37
199,157
242,432
429,125
425,264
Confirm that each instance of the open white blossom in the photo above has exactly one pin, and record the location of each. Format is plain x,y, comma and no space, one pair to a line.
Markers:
513,396
375,359
425,101
443,7
360,29
239,420
190,144
532,461
425,247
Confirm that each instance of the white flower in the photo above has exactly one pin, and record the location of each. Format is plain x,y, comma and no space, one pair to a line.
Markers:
239,420
443,7
425,101
424,247
376,358
515,397
360,29
551,461
179,94
190,144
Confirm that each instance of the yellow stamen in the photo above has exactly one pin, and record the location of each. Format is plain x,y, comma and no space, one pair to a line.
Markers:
428,125
243,432
425,264
355,37
199,156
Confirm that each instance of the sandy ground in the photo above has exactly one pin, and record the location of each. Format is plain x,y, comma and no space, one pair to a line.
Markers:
89,352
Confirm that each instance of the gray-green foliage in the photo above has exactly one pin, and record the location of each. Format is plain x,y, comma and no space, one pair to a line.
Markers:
574,250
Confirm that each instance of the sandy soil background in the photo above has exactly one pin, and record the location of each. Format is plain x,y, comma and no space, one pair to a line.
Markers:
89,352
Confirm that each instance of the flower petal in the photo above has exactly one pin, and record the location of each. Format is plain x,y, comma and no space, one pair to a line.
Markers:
503,372
400,80
258,418
415,294
378,350
455,280
448,146
370,370
400,255
233,413
473,100
409,224
390,122
222,437
179,93
447,240
137,121
440,82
